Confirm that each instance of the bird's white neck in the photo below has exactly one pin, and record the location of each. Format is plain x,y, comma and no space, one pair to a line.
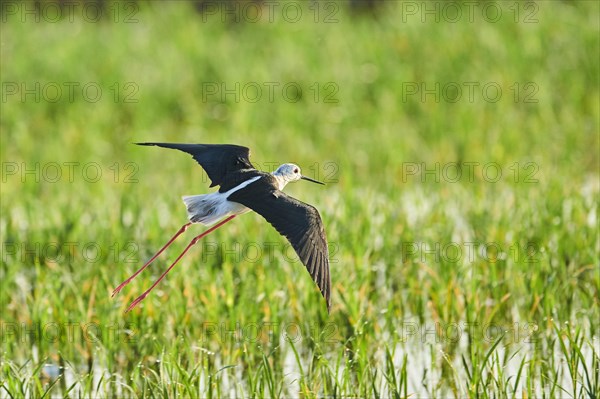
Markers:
281,180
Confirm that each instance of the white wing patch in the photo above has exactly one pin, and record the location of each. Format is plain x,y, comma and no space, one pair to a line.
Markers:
242,185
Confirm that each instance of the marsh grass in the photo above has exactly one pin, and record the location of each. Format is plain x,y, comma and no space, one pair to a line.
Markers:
410,317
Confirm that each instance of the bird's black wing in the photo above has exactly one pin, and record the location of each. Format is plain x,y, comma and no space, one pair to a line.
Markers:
300,223
218,160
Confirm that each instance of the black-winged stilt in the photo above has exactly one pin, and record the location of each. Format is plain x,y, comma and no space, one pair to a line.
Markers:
243,188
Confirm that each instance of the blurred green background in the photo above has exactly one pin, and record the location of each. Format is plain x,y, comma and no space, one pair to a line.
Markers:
460,144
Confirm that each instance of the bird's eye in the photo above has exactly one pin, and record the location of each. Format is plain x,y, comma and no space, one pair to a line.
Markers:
296,170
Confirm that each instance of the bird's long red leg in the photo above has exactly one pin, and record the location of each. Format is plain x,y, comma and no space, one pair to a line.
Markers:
124,283
194,241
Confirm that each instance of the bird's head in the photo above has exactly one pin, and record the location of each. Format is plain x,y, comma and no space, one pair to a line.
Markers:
289,172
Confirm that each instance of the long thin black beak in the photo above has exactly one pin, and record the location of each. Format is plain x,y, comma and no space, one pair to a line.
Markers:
312,180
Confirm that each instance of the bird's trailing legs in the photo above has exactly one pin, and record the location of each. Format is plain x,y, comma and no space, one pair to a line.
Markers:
124,283
194,241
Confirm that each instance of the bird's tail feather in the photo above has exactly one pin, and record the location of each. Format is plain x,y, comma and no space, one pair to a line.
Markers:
202,208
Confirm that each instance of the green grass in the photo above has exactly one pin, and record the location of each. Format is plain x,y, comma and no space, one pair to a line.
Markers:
508,306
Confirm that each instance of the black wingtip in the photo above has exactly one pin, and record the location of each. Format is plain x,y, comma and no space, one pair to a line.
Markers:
144,143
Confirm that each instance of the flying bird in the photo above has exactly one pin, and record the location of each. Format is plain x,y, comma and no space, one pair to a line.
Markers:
243,188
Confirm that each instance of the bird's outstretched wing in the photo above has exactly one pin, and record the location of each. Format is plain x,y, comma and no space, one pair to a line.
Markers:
300,223
218,160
